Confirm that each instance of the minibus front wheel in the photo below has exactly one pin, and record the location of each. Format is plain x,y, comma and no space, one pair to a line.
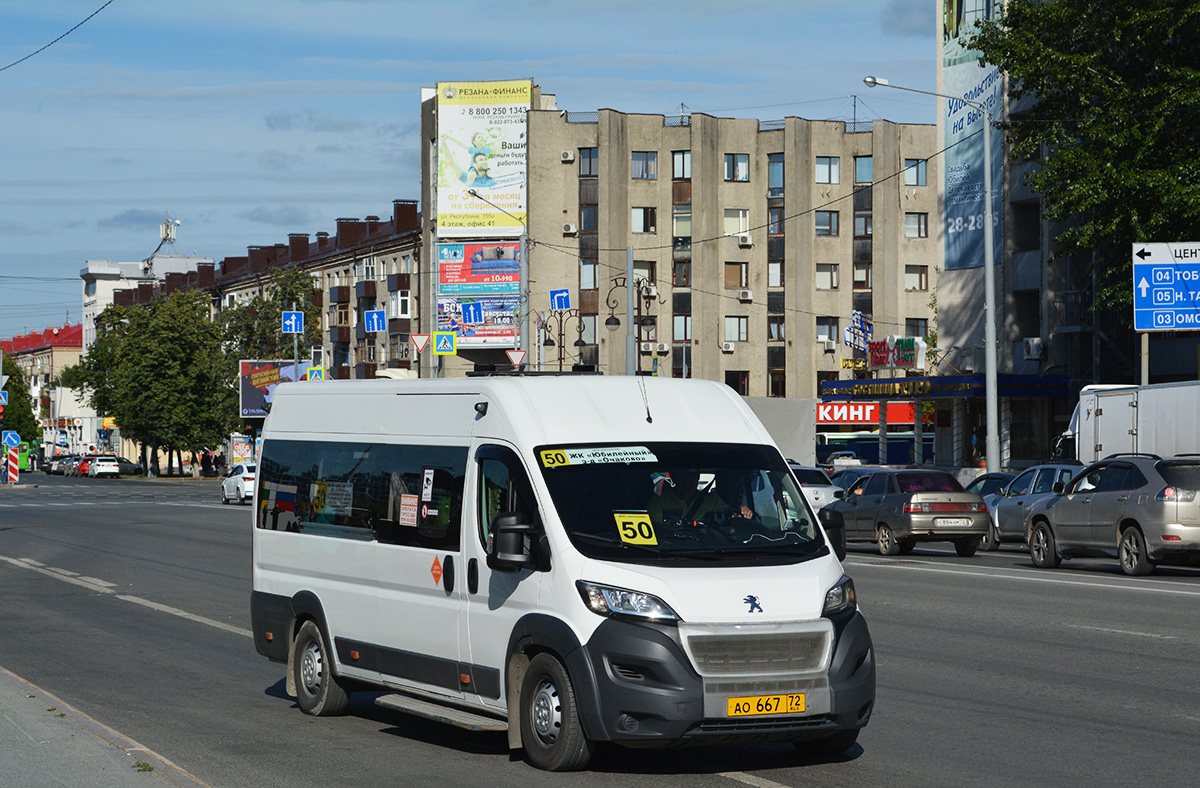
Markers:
318,690
550,728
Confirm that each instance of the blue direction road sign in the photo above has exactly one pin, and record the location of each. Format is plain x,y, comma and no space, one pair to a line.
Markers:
560,299
472,312
375,320
293,322
12,438
1166,287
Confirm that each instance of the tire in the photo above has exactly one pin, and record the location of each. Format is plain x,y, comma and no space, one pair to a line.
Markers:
828,746
1041,547
224,497
318,690
1132,552
907,546
966,546
990,542
550,728
886,541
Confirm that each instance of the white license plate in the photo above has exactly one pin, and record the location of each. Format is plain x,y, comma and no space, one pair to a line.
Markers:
952,522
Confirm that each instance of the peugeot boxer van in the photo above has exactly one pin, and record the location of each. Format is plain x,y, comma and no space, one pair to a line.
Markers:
571,559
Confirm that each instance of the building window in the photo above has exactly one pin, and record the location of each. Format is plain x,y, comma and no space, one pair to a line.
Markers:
916,277
644,271
681,165
589,162
738,380
825,376
681,221
648,330
774,273
829,169
916,327
774,221
775,303
587,273
644,166
588,323
399,304
827,222
863,169
862,224
774,328
588,218
737,328
916,225
737,166
681,328
827,328
775,382
643,220
681,361
914,172
774,174
681,273
827,276
736,275
737,220
343,315
862,276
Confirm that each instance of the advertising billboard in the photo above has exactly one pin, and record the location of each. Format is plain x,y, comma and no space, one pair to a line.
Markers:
481,136
258,382
480,321
479,268
963,126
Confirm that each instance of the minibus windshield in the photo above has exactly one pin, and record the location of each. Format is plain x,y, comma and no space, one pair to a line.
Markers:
680,503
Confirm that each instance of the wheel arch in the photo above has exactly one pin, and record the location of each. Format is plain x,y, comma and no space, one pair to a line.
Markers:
306,606
538,633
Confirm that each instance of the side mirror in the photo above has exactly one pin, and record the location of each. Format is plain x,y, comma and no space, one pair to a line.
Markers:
512,544
1058,488
835,526
839,493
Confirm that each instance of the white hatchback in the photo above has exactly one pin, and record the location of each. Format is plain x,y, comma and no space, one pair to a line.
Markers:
238,484
104,466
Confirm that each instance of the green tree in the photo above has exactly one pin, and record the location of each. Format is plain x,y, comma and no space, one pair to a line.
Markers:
1116,124
18,413
253,330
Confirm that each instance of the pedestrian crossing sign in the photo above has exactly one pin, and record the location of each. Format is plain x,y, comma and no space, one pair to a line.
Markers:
316,373
444,343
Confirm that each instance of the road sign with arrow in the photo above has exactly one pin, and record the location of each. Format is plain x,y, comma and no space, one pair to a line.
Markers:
1166,287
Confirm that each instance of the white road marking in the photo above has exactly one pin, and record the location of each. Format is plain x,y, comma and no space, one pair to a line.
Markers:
105,587
750,779
1123,632
1160,587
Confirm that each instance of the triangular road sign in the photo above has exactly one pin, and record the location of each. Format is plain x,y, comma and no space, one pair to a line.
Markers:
420,341
516,358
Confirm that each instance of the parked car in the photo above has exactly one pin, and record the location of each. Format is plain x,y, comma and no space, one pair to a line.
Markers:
1141,509
840,459
129,467
848,476
103,466
897,509
815,486
1010,506
238,484
988,483
81,468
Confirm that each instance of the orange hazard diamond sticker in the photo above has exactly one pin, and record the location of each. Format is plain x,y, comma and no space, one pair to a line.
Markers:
436,570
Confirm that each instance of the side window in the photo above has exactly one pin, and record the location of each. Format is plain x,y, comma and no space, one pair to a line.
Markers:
877,484
1020,485
503,487
1114,479
1090,481
1046,478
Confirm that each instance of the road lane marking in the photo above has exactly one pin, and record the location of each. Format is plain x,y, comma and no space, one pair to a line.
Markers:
105,587
1123,632
919,566
750,779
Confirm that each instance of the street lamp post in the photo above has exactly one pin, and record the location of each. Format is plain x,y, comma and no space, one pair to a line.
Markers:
524,270
991,397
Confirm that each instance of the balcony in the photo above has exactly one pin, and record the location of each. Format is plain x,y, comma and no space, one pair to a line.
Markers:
399,282
399,325
318,299
365,289
340,373
364,371
339,295
339,334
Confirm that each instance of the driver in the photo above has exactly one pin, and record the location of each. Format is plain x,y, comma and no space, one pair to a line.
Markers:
682,500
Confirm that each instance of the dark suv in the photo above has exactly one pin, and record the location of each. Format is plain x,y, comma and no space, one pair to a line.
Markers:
1138,508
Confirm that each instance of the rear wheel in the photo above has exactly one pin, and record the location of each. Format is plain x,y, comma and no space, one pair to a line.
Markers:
991,540
318,691
1132,552
224,497
887,541
550,728
1041,547
828,746
966,546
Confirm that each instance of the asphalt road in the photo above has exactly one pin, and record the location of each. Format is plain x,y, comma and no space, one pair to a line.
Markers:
129,599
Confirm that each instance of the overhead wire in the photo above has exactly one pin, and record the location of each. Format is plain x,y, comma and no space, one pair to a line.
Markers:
60,38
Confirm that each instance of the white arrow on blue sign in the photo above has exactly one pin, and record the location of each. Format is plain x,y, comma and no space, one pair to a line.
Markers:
472,312
293,322
374,320
1166,286
560,299
12,438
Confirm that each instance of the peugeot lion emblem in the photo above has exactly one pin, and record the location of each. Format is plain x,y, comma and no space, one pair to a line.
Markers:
752,601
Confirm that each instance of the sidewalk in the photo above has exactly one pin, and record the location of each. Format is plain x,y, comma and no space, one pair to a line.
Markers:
46,742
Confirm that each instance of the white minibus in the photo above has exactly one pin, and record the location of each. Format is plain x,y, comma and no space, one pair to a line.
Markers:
570,558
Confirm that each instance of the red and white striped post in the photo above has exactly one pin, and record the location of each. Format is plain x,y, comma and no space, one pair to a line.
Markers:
11,466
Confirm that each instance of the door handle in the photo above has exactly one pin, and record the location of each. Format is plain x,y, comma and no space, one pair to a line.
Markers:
472,576
448,575
1123,498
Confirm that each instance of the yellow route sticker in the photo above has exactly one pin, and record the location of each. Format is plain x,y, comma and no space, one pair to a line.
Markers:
552,458
635,528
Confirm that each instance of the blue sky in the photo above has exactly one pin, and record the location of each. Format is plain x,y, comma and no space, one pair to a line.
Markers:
250,120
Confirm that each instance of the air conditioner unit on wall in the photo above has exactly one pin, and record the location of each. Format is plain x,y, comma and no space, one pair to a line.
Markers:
568,156
568,228
663,347
1033,348
726,347
830,346
647,347
745,241
746,295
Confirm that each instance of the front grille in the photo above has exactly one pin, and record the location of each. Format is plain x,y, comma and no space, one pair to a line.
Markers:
759,725
759,654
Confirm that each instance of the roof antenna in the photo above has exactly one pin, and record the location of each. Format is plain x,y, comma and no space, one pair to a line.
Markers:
646,402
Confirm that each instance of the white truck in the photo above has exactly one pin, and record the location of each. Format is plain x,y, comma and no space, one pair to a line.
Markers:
1162,419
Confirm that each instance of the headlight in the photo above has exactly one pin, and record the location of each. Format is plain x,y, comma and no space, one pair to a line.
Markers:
840,598
609,601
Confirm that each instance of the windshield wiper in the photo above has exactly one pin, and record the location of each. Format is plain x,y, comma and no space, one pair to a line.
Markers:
641,548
